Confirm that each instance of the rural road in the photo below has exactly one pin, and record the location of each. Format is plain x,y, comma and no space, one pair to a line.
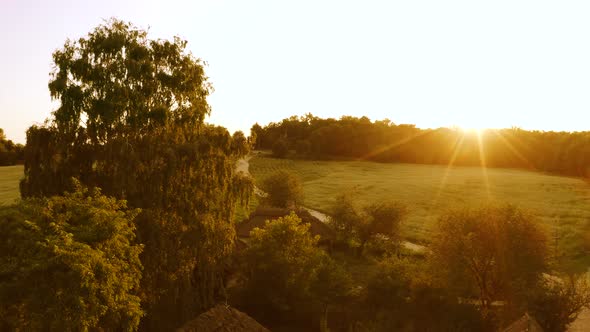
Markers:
243,166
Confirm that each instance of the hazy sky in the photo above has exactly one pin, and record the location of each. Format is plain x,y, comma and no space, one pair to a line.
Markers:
432,63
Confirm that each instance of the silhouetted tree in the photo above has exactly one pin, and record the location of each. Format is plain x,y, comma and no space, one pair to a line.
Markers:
400,297
556,303
498,253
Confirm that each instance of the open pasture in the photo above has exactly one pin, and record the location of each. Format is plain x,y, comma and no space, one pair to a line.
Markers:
561,203
9,179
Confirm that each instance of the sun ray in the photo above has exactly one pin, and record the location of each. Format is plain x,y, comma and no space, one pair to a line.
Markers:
395,144
513,149
482,163
443,182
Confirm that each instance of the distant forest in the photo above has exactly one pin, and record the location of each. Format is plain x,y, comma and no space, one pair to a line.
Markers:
10,153
384,141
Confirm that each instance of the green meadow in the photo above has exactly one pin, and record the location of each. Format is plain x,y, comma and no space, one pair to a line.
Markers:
9,179
561,203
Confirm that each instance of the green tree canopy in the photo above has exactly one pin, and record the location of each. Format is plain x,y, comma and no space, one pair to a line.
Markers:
288,274
283,188
69,263
358,224
131,121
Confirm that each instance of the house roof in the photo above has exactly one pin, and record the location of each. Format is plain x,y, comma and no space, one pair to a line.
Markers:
259,217
222,318
525,323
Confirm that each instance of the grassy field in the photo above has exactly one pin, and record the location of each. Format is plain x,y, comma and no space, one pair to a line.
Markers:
9,179
562,203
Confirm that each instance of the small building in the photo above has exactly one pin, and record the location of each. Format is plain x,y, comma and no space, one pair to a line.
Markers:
223,318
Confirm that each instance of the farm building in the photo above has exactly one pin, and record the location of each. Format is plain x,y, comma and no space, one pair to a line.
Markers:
525,323
223,318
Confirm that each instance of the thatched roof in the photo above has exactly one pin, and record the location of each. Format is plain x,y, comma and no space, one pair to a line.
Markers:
525,323
259,217
222,318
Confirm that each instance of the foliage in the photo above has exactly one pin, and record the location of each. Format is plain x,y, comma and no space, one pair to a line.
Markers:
361,224
303,148
283,188
400,297
280,149
286,271
69,264
497,251
556,303
384,218
430,190
347,216
10,153
130,121
384,141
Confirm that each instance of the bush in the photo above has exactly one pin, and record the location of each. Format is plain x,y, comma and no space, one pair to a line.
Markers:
358,225
501,246
288,276
303,147
284,189
280,148
69,263
401,297
556,303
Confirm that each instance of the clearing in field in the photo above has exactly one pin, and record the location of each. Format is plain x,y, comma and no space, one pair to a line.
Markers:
9,179
562,203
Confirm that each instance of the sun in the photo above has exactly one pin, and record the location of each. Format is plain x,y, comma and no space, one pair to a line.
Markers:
473,126
473,131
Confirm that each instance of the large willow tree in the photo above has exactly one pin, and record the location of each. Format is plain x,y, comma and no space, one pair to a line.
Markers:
131,121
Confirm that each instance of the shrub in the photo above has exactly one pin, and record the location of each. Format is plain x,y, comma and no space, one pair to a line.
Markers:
280,148
498,252
556,303
69,263
284,189
287,274
303,147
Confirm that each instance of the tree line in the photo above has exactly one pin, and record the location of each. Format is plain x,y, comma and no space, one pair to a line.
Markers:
10,153
384,141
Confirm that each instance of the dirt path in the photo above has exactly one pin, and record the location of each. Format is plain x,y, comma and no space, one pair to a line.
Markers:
243,166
